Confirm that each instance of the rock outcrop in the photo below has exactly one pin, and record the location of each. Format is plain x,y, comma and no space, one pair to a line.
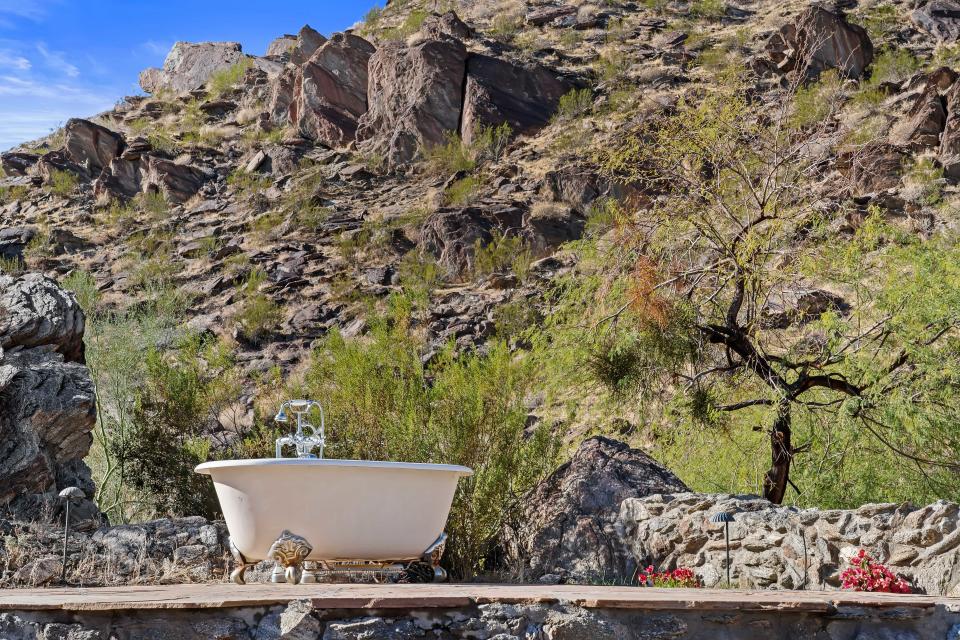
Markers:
47,401
818,40
91,145
330,90
939,18
189,65
568,521
498,91
414,95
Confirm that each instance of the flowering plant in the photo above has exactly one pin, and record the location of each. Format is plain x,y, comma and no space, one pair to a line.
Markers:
866,574
677,578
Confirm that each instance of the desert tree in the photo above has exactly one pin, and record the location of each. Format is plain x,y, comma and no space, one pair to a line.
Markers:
744,278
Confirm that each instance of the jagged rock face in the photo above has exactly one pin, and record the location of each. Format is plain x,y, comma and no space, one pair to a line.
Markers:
499,91
16,163
91,145
47,405
568,520
177,182
330,90
435,26
928,116
939,18
35,312
819,40
308,41
189,65
783,547
282,46
415,95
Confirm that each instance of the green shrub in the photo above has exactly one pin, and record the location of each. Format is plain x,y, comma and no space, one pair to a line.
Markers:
383,403
258,315
11,266
463,191
84,286
708,9
13,193
503,253
62,183
410,25
505,26
449,157
222,81
574,103
153,204
490,143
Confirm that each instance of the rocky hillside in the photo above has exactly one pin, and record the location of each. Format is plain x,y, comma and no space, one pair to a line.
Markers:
488,169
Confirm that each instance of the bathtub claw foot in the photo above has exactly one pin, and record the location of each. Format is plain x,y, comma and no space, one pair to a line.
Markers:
290,551
237,575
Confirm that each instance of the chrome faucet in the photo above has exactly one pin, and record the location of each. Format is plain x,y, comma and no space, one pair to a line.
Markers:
301,441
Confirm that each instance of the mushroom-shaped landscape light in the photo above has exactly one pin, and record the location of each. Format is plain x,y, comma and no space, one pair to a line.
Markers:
726,518
70,495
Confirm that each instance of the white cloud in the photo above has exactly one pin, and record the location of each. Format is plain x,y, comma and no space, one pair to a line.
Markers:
10,61
29,9
56,61
157,48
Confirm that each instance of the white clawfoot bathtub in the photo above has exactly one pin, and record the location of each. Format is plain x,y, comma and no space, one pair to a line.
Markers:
347,510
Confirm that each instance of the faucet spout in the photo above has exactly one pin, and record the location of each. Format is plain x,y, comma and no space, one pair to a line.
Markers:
307,437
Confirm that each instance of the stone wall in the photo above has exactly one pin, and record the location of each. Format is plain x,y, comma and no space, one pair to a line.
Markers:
299,620
775,547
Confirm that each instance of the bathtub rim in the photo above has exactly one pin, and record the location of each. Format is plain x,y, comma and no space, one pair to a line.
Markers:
207,468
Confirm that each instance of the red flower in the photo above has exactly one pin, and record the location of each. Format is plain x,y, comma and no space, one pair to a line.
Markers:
865,574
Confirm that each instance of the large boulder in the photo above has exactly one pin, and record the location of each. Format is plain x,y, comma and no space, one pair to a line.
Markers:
415,94
819,40
91,145
17,163
189,65
926,120
176,181
35,312
950,139
47,400
498,91
330,90
281,47
451,234
939,18
308,41
568,521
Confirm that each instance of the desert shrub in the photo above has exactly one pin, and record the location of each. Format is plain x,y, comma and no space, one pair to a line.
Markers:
383,403
924,182
13,193
490,143
258,315
463,191
410,25
222,81
817,101
183,391
450,157
84,286
11,266
153,204
419,274
505,26
708,9
574,103
62,183
503,253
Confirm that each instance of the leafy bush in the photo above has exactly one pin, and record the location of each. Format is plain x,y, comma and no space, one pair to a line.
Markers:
574,104
450,157
709,9
503,253
62,183
222,81
12,193
505,26
383,403
463,191
258,315
490,143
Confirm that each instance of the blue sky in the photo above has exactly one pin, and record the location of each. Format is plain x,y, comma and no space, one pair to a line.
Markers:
65,58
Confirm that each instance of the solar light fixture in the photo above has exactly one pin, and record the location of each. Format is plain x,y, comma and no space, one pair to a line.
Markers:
726,518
